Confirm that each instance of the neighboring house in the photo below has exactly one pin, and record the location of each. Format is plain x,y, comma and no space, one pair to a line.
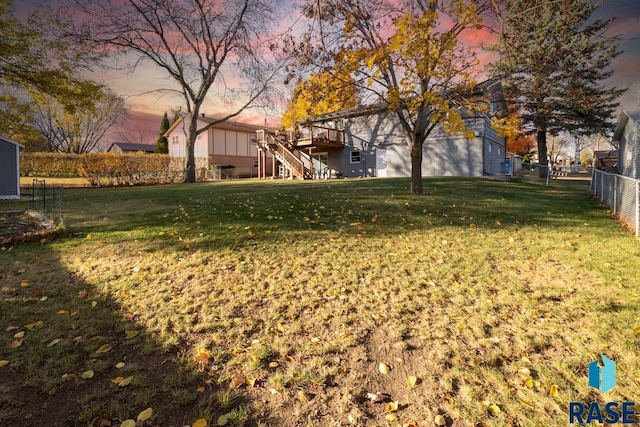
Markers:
227,144
368,141
627,138
128,147
606,160
9,169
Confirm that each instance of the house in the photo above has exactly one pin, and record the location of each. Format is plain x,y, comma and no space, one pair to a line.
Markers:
368,141
128,147
229,144
627,138
9,169
606,160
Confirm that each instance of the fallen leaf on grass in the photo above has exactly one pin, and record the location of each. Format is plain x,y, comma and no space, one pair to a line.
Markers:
223,420
53,342
15,344
302,396
440,421
24,283
202,355
384,368
64,312
87,374
493,409
145,415
128,423
122,382
636,330
12,328
376,397
132,334
391,417
553,391
31,326
200,389
82,294
237,381
104,348
120,365
412,381
93,304
200,423
3,363
391,406
19,335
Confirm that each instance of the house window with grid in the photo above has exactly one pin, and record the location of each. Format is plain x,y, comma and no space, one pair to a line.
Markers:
175,140
355,156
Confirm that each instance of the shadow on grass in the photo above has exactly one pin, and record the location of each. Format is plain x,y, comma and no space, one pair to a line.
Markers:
231,215
65,344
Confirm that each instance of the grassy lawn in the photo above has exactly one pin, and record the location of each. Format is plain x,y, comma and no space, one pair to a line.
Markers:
275,303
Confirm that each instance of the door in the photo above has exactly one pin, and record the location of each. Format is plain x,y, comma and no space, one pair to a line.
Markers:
320,165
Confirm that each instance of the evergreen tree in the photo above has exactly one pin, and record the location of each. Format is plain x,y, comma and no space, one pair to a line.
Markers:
162,144
554,57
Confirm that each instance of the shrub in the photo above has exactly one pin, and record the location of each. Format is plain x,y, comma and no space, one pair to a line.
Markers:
103,169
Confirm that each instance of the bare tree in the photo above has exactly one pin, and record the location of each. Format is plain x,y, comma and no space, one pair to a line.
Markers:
79,131
195,42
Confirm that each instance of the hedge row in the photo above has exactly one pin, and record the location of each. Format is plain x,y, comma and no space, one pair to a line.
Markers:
103,169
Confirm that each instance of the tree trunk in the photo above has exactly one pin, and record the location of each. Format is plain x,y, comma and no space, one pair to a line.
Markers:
416,168
541,137
190,164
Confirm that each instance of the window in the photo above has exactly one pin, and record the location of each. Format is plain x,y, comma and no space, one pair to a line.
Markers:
490,147
175,139
355,156
254,140
499,151
255,163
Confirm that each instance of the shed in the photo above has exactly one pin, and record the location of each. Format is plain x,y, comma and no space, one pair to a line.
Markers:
627,138
9,169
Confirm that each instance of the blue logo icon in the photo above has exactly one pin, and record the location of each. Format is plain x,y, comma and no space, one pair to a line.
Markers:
602,376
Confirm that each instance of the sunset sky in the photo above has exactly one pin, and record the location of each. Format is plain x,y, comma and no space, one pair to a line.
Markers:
147,106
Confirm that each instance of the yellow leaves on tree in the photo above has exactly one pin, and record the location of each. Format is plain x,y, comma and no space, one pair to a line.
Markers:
322,93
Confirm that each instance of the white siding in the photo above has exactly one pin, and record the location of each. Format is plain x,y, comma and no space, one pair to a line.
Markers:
219,142
230,143
243,144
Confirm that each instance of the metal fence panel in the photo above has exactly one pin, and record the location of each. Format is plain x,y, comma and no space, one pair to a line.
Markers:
621,194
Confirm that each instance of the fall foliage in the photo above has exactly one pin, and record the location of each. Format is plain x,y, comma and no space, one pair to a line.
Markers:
325,92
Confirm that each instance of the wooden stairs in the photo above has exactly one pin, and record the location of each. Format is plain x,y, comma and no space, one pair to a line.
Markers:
298,164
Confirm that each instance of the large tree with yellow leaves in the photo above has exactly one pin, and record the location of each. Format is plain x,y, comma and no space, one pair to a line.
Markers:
405,54
321,93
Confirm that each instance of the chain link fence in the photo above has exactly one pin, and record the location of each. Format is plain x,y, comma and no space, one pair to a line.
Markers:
621,194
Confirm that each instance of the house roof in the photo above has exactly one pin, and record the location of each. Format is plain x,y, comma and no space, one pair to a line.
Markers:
226,124
625,115
129,146
11,142
491,86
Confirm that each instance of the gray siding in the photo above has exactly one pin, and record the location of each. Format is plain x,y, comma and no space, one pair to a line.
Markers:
630,150
9,185
443,155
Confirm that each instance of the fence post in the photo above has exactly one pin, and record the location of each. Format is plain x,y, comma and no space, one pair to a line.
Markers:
637,208
615,194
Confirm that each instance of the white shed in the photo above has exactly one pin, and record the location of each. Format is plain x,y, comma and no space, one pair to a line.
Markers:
9,169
